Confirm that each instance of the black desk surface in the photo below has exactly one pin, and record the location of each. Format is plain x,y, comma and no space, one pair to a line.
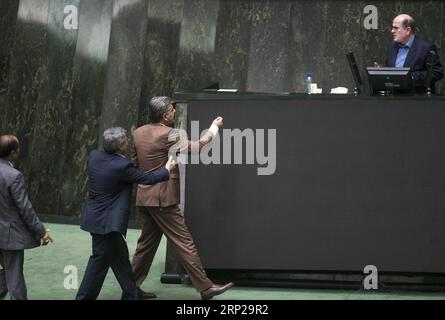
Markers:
183,96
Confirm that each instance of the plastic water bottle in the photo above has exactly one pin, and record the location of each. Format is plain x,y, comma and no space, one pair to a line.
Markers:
308,82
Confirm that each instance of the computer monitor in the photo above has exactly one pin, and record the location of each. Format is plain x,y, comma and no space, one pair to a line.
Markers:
390,80
213,86
355,72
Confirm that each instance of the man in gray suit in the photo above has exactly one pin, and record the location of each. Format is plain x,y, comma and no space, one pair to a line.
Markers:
20,228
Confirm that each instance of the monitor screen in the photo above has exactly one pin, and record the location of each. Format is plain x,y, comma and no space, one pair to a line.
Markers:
213,86
390,80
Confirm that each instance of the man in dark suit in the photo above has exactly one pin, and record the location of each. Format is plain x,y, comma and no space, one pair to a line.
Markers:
158,205
106,214
409,50
20,227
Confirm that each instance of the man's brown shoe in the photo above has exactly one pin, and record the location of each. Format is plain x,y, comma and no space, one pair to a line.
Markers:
215,290
146,295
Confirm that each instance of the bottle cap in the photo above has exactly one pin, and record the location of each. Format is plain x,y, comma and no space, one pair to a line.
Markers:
309,74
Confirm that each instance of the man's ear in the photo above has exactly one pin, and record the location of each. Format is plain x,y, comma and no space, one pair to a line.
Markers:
123,146
14,154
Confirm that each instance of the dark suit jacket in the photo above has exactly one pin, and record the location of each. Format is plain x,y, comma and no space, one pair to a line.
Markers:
20,228
416,60
110,178
150,152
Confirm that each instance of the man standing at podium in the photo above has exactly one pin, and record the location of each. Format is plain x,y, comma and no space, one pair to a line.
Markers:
409,50
158,205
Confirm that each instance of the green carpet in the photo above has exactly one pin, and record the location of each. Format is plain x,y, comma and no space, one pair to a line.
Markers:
44,272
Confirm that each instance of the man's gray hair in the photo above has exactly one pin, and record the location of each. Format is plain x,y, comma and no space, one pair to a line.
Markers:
158,106
113,137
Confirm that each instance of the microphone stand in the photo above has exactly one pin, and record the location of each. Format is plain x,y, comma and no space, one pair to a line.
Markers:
429,73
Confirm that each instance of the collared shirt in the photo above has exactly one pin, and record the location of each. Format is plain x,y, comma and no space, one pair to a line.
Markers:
7,162
120,155
403,52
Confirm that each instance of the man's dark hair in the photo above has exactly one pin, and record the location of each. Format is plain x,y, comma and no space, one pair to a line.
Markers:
158,106
8,143
409,23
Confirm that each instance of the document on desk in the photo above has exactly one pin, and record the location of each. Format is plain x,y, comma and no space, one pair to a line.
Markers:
227,90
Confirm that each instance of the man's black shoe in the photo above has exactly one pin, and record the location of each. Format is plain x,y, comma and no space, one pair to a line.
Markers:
146,295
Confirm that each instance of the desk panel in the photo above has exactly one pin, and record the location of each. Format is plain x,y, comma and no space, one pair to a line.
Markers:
357,182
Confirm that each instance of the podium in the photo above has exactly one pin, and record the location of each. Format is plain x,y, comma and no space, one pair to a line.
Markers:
358,181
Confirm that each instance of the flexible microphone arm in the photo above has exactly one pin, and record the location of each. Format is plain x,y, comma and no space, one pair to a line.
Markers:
429,75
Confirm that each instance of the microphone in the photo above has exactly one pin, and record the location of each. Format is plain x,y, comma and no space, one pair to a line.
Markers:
429,75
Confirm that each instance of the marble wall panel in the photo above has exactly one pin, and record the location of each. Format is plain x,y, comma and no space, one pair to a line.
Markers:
27,78
308,41
268,46
342,34
195,67
233,44
125,65
375,42
161,52
8,20
53,108
87,99
441,45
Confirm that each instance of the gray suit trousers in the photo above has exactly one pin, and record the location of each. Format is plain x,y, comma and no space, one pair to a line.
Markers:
11,275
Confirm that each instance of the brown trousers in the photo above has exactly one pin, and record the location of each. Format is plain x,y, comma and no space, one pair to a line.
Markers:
170,221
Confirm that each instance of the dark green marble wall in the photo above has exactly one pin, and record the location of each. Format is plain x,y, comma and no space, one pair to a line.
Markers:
122,91
89,70
59,88
269,51
195,68
8,21
51,124
232,46
160,52
27,81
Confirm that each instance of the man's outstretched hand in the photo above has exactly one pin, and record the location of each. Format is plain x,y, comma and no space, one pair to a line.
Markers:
218,122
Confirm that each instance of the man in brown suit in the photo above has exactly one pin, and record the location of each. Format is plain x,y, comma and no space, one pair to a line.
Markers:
158,205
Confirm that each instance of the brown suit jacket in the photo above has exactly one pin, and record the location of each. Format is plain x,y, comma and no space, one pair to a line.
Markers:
151,144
